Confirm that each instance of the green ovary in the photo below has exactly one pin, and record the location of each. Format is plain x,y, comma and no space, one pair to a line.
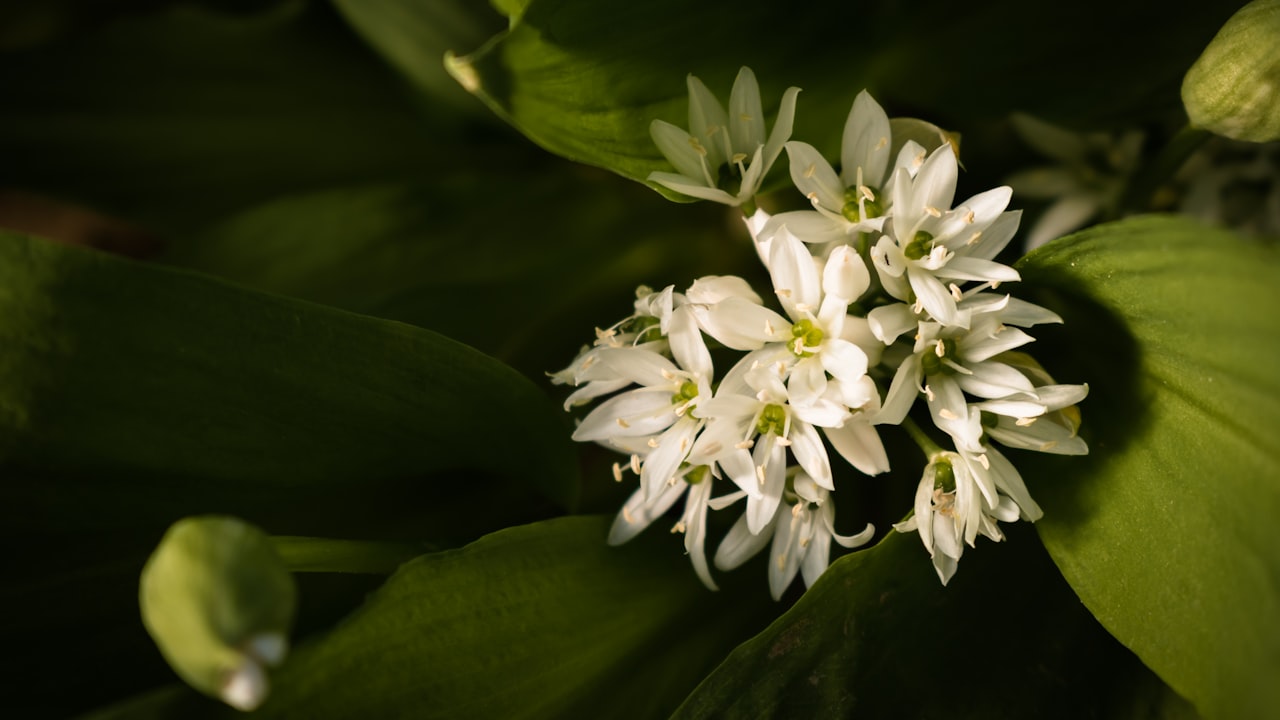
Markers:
688,391
773,419
805,337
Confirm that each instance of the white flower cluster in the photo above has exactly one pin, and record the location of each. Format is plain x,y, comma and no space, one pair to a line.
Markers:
887,294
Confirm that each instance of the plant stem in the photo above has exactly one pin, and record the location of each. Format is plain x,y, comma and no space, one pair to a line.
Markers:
930,448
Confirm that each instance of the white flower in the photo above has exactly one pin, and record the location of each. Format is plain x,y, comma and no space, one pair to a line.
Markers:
750,426
957,500
801,535
849,202
640,511
931,248
715,139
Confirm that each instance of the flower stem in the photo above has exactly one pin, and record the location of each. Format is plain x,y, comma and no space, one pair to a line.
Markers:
930,448
749,207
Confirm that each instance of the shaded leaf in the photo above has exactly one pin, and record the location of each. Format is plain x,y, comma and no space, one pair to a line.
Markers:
113,366
1166,530
543,620
177,117
878,636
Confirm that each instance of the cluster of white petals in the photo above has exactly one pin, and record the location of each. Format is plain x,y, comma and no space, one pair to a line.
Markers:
884,294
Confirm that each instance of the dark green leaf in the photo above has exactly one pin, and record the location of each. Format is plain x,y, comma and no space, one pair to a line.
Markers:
177,117
878,636
1166,530
584,79
113,367
538,621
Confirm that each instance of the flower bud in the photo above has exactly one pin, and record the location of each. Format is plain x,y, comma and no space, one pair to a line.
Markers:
1234,88
218,602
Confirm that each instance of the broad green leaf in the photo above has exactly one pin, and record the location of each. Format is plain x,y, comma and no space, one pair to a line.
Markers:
1234,87
1166,530
878,636
584,79
114,367
521,265
179,116
414,37
544,620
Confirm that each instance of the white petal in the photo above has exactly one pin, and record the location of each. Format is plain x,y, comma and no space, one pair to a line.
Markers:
807,382
740,324
631,414
994,238
638,513
933,296
866,142
902,393
977,346
813,176
711,289
772,457
993,380
781,127
860,445
708,122
969,268
692,188
675,145
687,345
890,321
845,275
662,464
844,360
809,225
639,366
795,277
811,454
695,536
740,545
1010,482
746,116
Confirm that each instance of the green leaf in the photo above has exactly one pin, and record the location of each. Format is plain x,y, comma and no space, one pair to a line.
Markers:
179,116
118,368
1166,530
414,37
878,636
538,621
584,79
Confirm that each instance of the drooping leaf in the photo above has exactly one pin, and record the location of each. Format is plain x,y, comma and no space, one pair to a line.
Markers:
878,636
1166,530
538,621
584,79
